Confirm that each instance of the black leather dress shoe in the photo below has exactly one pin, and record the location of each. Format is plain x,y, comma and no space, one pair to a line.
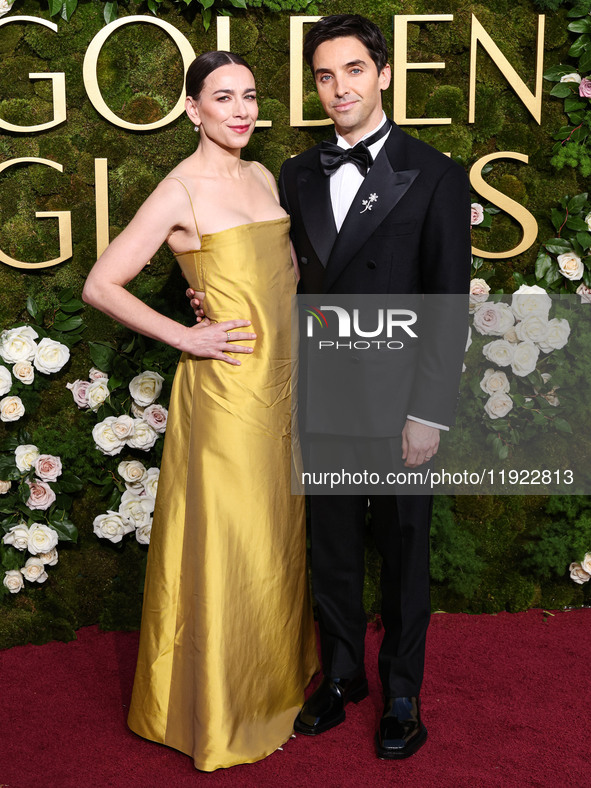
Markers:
325,708
401,731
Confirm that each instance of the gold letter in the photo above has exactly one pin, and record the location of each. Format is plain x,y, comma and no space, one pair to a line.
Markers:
90,77
101,201
63,217
514,209
58,86
401,67
533,102
296,73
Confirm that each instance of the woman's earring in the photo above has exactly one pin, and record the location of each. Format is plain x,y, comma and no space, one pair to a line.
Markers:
196,128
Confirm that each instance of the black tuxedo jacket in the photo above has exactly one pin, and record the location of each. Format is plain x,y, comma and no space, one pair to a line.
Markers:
415,240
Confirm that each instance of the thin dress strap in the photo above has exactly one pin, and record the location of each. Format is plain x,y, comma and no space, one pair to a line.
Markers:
266,177
174,178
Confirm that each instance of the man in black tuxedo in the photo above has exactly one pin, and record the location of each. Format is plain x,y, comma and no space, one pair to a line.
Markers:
415,239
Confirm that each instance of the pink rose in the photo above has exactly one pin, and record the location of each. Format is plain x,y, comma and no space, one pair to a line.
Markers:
156,416
476,213
96,374
41,495
585,293
79,389
48,467
585,88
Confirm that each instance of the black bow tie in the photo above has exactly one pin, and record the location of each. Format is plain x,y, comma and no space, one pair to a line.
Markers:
332,156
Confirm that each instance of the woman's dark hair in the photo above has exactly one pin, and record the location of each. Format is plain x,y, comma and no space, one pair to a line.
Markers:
341,25
203,65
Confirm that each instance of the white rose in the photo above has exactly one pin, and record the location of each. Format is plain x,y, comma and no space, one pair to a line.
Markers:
105,439
574,77
49,558
533,328
132,472
5,381
586,563
530,300
578,574
584,292
97,393
23,371
146,387
499,352
570,265
143,436
525,358
123,427
557,336
135,509
495,381
50,356
17,536
79,389
493,319
136,411
476,213
156,416
42,538
588,220
151,482
111,526
13,579
143,533
5,7
511,336
18,344
25,456
48,467
97,374
479,290
11,409
5,487
498,405
41,496
34,571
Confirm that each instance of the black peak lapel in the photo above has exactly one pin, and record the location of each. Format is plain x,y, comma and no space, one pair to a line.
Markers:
381,190
314,198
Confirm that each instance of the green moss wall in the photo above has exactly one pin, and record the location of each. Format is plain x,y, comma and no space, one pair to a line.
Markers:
489,554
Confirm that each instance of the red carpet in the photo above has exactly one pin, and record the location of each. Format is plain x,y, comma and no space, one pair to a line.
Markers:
506,701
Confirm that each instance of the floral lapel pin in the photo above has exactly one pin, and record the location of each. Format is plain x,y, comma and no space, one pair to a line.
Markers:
369,202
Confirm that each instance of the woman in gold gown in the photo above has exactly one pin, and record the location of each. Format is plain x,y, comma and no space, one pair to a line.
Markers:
227,642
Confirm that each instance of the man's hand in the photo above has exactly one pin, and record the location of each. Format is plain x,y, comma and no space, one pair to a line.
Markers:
419,443
196,299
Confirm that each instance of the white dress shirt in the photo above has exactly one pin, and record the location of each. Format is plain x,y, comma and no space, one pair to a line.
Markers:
344,185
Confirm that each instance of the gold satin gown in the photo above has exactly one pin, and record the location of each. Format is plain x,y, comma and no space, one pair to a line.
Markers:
227,640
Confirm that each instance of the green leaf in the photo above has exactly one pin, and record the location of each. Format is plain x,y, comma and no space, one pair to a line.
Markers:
102,355
584,239
238,3
562,89
55,6
552,275
577,224
68,9
581,9
66,530
206,3
32,308
585,61
580,26
73,305
557,218
587,277
577,203
574,103
562,425
110,12
543,264
554,73
557,246
65,295
519,278
579,46
68,482
115,382
206,18
153,6
69,324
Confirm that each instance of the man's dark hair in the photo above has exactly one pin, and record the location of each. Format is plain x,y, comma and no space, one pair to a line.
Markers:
341,25
203,65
